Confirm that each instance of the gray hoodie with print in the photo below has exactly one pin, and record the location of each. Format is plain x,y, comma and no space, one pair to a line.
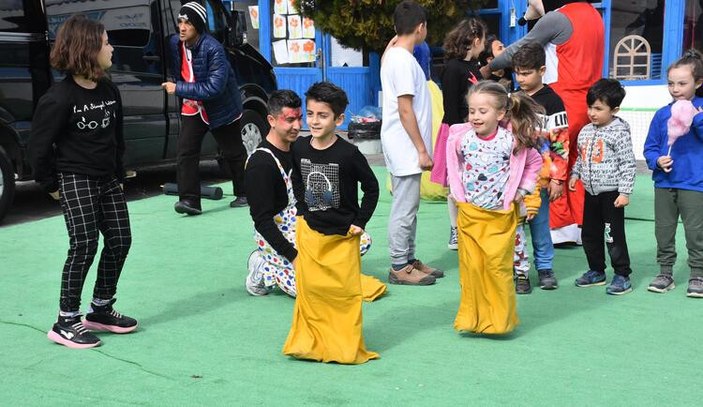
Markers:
605,160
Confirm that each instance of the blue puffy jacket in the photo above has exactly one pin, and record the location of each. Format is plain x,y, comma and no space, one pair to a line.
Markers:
215,84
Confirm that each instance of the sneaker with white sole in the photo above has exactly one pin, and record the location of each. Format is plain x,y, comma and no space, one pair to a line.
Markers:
662,283
70,332
453,239
695,287
255,279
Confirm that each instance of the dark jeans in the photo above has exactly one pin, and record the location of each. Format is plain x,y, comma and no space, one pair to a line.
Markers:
228,138
603,223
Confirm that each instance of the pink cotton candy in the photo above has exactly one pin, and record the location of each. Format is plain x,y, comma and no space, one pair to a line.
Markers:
682,112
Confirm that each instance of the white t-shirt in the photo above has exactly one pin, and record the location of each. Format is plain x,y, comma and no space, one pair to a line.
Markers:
402,75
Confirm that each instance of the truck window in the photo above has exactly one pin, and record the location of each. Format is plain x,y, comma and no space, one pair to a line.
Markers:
20,16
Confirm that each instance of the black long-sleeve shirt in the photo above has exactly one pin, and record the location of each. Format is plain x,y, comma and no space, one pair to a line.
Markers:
267,196
457,78
77,130
326,185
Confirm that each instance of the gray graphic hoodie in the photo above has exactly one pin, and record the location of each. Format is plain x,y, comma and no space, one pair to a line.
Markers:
605,160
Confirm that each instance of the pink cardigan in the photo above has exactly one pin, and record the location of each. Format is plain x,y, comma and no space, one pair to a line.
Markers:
524,167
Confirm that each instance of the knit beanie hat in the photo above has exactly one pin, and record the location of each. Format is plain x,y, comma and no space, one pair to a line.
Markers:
195,14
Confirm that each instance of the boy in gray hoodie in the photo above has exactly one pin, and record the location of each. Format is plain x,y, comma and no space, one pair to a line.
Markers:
606,167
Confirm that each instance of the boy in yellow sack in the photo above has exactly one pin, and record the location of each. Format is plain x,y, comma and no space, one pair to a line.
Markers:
327,171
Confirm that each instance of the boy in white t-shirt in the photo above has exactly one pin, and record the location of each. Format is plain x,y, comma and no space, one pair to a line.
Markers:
406,136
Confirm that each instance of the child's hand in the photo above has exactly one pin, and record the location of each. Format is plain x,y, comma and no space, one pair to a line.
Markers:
572,183
355,230
55,195
622,201
556,190
665,162
519,197
425,161
530,216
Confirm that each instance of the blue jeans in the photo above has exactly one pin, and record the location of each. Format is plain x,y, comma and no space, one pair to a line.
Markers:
543,249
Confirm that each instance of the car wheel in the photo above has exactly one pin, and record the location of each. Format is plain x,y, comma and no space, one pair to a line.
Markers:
254,129
7,183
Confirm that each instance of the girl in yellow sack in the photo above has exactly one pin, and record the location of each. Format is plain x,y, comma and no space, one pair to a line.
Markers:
490,169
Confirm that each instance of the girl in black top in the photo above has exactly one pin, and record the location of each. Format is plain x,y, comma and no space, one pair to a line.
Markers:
76,148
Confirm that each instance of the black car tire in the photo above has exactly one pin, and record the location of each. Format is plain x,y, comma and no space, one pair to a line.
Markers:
7,183
254,129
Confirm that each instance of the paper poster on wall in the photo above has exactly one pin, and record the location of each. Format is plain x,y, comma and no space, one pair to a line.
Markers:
301,51
291,7
279,26
280,51
280,7
308,28
254,16
295,30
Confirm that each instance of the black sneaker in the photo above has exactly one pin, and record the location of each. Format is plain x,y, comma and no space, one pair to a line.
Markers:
105,318
547,279
591,278
71,333
239,202
522,284
662,283
187,207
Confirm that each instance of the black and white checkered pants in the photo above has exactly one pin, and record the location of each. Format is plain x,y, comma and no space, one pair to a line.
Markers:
93,205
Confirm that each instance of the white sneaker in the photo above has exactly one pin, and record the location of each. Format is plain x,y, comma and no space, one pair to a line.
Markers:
255,279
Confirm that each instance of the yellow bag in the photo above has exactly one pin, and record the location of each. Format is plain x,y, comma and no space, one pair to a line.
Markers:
486,245
327,320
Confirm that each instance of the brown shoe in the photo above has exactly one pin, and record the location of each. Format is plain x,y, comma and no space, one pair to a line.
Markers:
409,276
424,268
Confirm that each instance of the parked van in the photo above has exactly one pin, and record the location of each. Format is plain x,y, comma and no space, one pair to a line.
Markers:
139,31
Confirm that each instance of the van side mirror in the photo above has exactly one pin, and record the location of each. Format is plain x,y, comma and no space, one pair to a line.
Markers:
237,30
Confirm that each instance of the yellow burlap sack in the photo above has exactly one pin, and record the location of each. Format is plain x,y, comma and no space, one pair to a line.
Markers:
327,320
486,245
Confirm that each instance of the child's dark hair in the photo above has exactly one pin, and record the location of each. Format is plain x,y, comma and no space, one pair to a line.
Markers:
487,50
461,38
694,59
407,16
523,112
608,91
78,42
283,98
529,56
329,93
